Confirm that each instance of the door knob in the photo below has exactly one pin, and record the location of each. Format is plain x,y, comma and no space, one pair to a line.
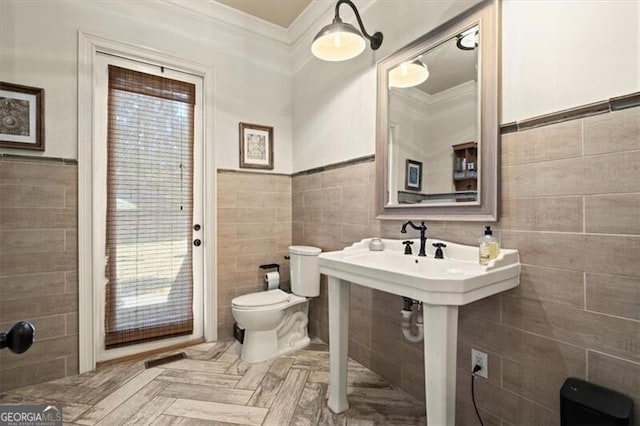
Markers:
197,242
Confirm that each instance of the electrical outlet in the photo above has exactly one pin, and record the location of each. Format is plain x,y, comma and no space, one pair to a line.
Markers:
480,358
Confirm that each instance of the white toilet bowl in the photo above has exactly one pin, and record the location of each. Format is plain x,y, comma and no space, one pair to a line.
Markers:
274,322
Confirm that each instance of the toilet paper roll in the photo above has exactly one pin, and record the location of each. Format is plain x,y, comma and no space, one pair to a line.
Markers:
272,279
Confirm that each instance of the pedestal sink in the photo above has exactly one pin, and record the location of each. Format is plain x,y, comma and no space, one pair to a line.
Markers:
441,284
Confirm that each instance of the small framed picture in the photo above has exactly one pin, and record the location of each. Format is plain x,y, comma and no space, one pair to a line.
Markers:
256,146
413,176
21,117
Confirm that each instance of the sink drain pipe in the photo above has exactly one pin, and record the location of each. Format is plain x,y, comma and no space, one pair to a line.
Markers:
407,314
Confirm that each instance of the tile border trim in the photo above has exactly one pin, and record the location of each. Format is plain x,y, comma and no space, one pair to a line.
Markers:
33,159
341,164
252,172
612,104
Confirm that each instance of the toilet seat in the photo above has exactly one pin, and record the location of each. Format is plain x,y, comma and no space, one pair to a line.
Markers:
261,299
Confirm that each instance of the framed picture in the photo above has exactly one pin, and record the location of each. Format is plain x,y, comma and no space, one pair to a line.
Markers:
413,176
21,117
256,146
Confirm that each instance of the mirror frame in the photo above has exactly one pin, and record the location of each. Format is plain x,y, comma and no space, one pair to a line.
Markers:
487,15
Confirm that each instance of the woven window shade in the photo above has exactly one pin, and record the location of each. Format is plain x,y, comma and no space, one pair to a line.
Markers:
149,293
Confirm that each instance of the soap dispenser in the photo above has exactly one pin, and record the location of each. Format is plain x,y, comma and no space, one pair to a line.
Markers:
489,246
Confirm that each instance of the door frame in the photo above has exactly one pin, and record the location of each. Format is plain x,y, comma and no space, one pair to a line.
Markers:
88,47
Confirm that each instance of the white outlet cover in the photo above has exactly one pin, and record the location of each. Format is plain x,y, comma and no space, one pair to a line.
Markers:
480,358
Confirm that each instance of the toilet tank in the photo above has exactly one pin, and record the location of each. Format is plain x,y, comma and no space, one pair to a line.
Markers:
305,270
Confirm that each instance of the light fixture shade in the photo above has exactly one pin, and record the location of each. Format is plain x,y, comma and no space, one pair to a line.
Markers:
338,42
468,40
408,74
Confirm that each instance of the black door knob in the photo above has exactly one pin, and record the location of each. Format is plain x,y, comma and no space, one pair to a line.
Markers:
196,227
197,242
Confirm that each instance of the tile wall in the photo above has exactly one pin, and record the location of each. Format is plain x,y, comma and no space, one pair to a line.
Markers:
254,228
38,266
571,205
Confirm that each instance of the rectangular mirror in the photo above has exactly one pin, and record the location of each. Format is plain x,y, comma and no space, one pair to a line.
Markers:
437,135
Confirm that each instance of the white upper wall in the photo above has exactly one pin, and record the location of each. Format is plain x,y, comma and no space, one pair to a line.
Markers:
38,47
561,54
555,55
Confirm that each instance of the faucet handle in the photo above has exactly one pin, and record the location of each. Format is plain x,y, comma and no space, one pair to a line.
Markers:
439,254
407,246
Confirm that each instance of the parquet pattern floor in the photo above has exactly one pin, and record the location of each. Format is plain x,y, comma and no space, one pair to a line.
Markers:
214,387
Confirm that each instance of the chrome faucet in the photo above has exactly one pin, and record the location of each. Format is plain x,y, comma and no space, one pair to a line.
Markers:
423,235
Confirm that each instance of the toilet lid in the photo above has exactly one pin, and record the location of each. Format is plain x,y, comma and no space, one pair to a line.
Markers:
261,298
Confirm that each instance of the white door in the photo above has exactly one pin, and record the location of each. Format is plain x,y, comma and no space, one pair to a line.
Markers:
140,240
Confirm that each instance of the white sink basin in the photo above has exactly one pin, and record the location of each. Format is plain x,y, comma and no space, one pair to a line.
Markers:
457,279
442,284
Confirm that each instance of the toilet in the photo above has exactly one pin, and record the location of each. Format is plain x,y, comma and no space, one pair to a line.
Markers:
275,322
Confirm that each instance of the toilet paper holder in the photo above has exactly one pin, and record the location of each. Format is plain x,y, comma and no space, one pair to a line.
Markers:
275,266
268,282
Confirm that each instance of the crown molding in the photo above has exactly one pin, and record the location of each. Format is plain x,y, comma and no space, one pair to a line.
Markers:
305,22
307,18
227,15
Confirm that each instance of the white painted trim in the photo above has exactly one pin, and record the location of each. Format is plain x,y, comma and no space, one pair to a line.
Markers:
88,46
309,16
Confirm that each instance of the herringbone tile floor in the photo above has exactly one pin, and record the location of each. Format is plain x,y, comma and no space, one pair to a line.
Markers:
214,387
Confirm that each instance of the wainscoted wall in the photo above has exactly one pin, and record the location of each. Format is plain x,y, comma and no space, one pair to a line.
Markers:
571,205
254,228
38,266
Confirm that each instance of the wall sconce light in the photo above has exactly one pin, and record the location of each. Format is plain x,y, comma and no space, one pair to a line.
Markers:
408,74
468,39
340,41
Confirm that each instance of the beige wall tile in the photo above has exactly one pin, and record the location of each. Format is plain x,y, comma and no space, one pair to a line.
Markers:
302,183
598,174
226,197
18,264
551,285
613,214
563,140
613,295
360,322
589,330
41,218
522,346
617,374
71,321
617,131
590,253
37,306
43,371
46,327
283,184
256,199
36,174
344,176
40,351
21,196
542,214
247,181
505,404
487,309
19,286
540,385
